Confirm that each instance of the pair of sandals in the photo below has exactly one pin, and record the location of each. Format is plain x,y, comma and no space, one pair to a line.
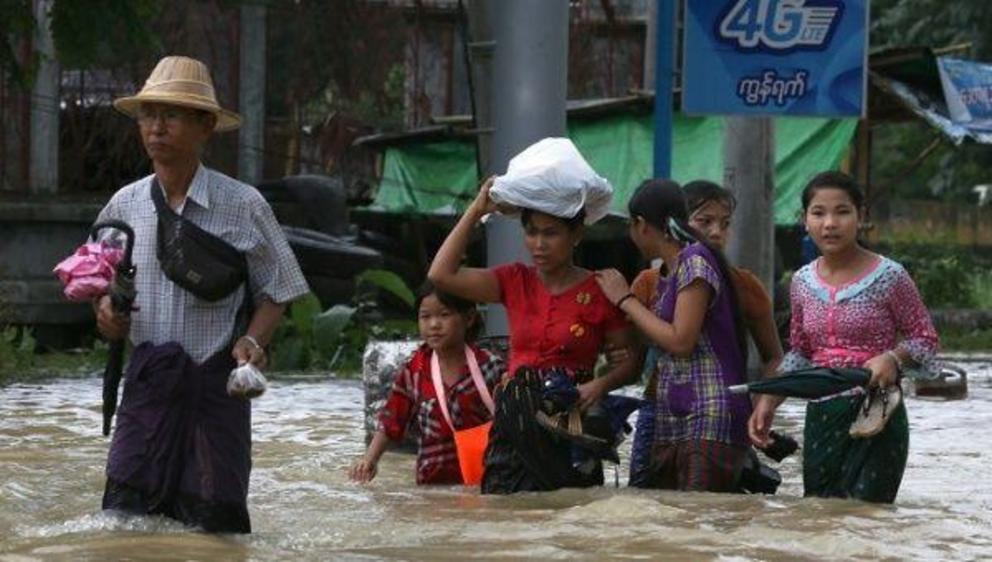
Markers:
875,411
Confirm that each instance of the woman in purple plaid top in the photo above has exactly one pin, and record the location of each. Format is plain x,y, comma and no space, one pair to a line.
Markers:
700,440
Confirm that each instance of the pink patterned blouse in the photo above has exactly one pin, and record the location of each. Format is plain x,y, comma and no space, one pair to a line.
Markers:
847,325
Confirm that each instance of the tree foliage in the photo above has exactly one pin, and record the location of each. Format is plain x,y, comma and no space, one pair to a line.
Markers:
937,23
16,24
95,33
103,33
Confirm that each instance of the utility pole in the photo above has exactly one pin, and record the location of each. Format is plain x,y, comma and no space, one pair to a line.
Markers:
43,170
528,92
480,14
750,174
251,93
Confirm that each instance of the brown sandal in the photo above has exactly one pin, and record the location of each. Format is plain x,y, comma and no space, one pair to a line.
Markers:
875,411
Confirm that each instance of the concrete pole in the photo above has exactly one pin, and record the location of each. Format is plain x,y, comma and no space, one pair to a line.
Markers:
529,88
749,173
43,169
251,93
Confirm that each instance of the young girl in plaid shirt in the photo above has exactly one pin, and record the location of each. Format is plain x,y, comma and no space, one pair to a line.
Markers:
446,324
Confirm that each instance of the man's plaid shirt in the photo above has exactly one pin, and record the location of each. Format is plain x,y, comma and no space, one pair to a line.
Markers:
229,209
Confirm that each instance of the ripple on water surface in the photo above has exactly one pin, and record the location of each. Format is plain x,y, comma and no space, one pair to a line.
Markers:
303,507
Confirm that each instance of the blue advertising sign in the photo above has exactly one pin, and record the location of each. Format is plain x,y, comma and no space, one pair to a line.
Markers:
780,57
967,89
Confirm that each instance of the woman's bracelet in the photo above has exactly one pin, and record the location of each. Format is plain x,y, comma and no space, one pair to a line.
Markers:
619,303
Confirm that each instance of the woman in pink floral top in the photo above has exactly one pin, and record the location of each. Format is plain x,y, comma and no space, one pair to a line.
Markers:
850,308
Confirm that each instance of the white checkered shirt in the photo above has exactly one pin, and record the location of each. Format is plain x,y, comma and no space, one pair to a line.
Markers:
229,209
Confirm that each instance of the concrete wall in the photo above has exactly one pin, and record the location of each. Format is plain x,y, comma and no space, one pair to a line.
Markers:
33,238
932,222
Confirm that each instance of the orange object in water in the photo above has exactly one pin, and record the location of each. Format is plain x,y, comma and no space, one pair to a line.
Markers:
471,446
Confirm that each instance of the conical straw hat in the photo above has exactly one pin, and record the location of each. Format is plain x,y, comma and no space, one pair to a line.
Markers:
184,82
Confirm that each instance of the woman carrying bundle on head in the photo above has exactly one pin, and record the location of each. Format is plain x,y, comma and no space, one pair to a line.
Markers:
700,434
851,308
559,321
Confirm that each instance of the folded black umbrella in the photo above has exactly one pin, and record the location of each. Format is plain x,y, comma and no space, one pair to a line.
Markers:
811,383
122,294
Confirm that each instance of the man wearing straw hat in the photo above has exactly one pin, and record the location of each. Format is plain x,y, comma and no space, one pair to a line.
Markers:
213,275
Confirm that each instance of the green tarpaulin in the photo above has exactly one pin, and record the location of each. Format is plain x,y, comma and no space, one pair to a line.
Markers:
440,176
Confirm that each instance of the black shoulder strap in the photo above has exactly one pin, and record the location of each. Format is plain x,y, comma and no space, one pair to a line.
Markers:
159,200
179,226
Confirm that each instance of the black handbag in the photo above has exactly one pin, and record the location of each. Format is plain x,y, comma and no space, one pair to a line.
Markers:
196,260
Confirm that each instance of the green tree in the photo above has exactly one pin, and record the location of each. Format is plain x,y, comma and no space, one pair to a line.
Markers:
90,34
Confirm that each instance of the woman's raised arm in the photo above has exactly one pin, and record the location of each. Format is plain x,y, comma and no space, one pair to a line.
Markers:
447,273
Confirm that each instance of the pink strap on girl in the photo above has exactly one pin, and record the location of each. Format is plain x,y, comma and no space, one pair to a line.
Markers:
480,384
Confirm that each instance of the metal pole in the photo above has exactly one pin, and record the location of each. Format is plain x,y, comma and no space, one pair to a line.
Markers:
528,92
45,107
749,173
480,47
251,95
664,72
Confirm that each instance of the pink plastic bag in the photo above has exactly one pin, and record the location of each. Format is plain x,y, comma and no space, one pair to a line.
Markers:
88,272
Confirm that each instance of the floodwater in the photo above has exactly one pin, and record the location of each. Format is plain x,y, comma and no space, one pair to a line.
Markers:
308,431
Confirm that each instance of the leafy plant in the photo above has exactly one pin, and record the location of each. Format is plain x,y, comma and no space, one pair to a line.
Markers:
335,338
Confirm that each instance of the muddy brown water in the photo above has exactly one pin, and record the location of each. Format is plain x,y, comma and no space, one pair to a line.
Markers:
307,431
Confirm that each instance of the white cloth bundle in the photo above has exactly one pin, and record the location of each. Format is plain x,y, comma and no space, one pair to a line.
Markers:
552,177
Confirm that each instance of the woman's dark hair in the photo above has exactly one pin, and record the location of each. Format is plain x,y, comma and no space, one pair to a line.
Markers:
843,182
458,304
656,201
701,192
834,180
662,204
573,223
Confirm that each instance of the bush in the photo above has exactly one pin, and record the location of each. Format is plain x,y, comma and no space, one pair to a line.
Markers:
965,340
335,339
947,275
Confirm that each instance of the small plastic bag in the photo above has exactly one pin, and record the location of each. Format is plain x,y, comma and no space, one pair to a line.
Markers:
246,381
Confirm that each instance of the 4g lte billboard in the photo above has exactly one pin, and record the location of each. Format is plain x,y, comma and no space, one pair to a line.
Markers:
782,57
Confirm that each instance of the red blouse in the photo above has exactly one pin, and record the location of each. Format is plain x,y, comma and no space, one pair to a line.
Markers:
565,330
414,401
